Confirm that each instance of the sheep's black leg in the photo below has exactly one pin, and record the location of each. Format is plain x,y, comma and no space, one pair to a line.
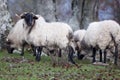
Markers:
100,52
33,49
59,53
70,55
38,53
116,54
116,50
22,53
78,55
105,56
94,54
23,45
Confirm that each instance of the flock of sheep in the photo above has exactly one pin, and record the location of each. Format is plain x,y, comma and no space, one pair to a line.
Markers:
59,38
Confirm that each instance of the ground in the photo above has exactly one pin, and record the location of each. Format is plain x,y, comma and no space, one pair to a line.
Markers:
16,67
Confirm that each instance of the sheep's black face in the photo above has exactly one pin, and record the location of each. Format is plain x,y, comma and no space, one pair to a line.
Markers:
8,47
29,18
10,50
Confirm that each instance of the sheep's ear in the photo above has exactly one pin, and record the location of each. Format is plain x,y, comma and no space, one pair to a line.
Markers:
7,40
17,15
22,16
35,17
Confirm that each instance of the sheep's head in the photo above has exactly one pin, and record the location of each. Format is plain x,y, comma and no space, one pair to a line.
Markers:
29,18
8,46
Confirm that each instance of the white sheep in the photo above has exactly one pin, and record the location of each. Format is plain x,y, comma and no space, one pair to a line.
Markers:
77,38
50,34
99,35
16,36
44,34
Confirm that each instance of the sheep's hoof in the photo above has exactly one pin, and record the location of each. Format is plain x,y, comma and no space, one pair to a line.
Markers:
22,54
37,58
34,54
81,56
10,53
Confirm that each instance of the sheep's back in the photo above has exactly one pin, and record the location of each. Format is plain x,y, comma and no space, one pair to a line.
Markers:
79,34
111,26
16,33
50,34
97,35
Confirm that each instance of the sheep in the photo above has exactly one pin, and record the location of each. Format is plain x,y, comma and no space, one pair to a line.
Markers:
100,35
44,34
15,38
77,38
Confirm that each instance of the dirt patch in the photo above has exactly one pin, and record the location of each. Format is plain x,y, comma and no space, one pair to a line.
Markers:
16,60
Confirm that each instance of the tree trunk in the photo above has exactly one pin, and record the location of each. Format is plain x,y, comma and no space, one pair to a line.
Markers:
5,22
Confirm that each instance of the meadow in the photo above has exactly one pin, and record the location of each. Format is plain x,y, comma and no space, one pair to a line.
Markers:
16,67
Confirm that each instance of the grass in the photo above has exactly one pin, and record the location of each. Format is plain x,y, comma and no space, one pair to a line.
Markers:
15,67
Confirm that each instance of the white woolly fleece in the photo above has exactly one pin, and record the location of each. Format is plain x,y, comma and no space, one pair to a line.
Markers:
49,34
99,33
78,35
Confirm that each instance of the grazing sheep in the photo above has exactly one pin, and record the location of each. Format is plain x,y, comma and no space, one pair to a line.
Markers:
100,35
77,38
43,34
16,37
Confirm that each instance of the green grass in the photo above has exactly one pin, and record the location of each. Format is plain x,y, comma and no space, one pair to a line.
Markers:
11,68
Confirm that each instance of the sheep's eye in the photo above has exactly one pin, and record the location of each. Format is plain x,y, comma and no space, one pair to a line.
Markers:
72,40
8,42
76,40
